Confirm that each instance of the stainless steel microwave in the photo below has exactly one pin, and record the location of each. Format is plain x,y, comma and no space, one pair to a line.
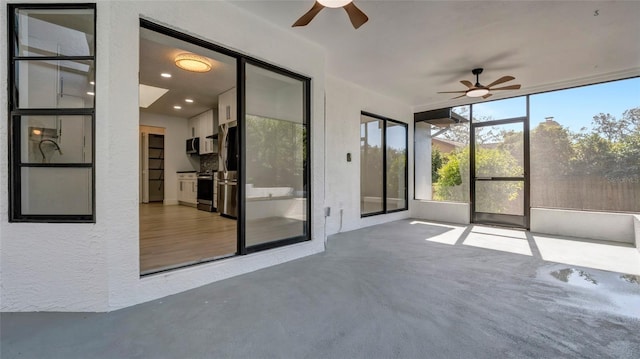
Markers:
193,145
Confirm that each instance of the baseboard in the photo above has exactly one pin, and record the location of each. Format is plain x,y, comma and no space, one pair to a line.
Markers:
170,202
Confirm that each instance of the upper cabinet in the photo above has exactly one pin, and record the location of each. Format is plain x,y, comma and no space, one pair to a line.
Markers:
227,111
203,125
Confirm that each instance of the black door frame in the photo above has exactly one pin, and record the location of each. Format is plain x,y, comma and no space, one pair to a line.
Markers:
506,220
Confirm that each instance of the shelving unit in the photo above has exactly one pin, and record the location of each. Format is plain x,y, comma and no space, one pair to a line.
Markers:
156,168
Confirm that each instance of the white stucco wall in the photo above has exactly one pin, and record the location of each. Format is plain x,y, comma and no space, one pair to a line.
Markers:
616,227
345,101
452,212
95,267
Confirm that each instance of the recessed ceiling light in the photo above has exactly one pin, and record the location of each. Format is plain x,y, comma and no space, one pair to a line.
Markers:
90,93
177,107
165,75
92,82
188,100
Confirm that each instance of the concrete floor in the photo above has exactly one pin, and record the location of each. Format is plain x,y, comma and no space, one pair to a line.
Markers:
390,291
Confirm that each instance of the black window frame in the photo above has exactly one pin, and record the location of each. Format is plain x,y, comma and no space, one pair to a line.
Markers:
385,210
16,113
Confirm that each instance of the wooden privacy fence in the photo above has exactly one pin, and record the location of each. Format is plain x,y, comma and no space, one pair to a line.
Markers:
586,193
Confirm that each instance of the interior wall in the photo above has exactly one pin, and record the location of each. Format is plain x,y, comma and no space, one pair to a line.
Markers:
95,267
344,102
175,158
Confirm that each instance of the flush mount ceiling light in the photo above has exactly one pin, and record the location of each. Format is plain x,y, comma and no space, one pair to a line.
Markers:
192,62
188,100
166,75
177,107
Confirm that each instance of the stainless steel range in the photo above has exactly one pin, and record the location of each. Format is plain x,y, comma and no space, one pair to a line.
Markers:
207,188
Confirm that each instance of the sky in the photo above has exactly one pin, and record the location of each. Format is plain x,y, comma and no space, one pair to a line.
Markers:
573,108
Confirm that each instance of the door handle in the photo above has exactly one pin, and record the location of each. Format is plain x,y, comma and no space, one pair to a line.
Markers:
484,178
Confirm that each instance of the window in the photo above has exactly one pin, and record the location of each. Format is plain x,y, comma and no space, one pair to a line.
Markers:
442,155
52,112
585,147
383,165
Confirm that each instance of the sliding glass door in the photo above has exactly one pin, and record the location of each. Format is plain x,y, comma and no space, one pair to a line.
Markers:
276,189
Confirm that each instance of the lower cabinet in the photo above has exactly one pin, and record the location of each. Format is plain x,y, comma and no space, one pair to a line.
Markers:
187,189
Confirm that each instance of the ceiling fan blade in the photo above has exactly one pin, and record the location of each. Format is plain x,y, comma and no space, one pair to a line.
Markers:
452,92
487,95
503,79
306,18
467,83
463,95
512,87
356,15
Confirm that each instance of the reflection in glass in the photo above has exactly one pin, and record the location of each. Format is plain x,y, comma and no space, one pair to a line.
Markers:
55,84
56,139
59,191
371,165
502,197
55,32
396,165
276,192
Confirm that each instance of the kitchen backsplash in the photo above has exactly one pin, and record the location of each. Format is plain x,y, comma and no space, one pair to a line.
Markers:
209,162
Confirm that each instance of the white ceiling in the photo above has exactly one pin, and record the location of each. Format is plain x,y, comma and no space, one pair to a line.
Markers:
412,49
157,53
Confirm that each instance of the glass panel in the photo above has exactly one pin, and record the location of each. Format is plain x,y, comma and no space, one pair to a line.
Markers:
55,32
276,190
502,197
585,147
450,160
500,109
55,84
396,165
56,139
499,151
371,165
56,191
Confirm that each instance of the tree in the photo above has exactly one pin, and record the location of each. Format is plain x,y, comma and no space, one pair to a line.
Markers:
437,160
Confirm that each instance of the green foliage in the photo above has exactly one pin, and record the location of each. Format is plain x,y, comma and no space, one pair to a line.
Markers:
437,160
275,152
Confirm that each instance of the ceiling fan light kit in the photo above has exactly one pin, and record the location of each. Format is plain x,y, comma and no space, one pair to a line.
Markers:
334,3
478,90
356,16
192,62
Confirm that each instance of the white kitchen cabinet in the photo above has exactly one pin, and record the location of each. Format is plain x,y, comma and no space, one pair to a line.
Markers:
187,189
227,111
203,125
194,127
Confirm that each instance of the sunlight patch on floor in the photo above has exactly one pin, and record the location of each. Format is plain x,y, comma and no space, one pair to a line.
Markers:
592,254
450,237
500,239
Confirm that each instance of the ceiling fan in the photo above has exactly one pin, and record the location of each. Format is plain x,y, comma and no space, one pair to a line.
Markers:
356,15
479,90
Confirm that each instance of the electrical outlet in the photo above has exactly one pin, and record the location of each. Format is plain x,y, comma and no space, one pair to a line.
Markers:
327,211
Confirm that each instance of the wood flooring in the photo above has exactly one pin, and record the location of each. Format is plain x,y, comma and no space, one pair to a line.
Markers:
172,236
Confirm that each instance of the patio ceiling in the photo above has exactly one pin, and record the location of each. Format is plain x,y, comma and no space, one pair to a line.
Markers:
410,50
